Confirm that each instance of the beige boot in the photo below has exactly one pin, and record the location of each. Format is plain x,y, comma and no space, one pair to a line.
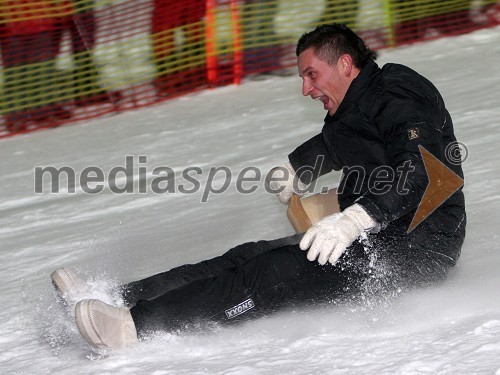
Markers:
68,286
104,326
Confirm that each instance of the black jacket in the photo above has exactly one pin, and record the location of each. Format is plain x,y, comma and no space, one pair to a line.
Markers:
386,114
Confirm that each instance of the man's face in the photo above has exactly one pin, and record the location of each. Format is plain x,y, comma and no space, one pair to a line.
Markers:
324,82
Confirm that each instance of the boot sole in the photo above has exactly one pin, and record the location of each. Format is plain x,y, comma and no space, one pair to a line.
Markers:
58,277
59,280
85,324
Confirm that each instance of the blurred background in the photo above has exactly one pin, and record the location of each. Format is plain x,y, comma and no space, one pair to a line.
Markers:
71,60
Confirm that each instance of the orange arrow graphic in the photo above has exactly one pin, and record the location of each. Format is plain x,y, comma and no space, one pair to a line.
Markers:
443,182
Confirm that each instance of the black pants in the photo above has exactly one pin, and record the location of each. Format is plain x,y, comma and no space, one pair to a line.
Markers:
157,285
257,279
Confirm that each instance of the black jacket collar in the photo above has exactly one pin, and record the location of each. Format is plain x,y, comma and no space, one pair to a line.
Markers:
357,87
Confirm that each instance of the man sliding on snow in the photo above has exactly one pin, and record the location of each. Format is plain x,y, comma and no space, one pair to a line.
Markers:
377,119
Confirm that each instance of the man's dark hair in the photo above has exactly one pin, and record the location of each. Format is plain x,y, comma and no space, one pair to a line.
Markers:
332,41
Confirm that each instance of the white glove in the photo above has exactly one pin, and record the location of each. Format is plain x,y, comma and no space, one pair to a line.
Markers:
333,234
284,183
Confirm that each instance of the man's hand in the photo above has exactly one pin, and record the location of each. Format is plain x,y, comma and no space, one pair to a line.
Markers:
333,234
284,183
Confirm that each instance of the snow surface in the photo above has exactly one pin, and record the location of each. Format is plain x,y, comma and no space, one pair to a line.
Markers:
453,328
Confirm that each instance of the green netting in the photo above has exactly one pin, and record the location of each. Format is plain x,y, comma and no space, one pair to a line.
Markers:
94,57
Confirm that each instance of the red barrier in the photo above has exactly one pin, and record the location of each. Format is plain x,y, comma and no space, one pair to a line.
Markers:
83,59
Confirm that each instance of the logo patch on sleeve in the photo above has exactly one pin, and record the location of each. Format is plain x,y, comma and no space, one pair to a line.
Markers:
240,309
413,133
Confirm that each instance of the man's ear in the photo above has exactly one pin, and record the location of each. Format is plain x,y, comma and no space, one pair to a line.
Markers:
345,64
